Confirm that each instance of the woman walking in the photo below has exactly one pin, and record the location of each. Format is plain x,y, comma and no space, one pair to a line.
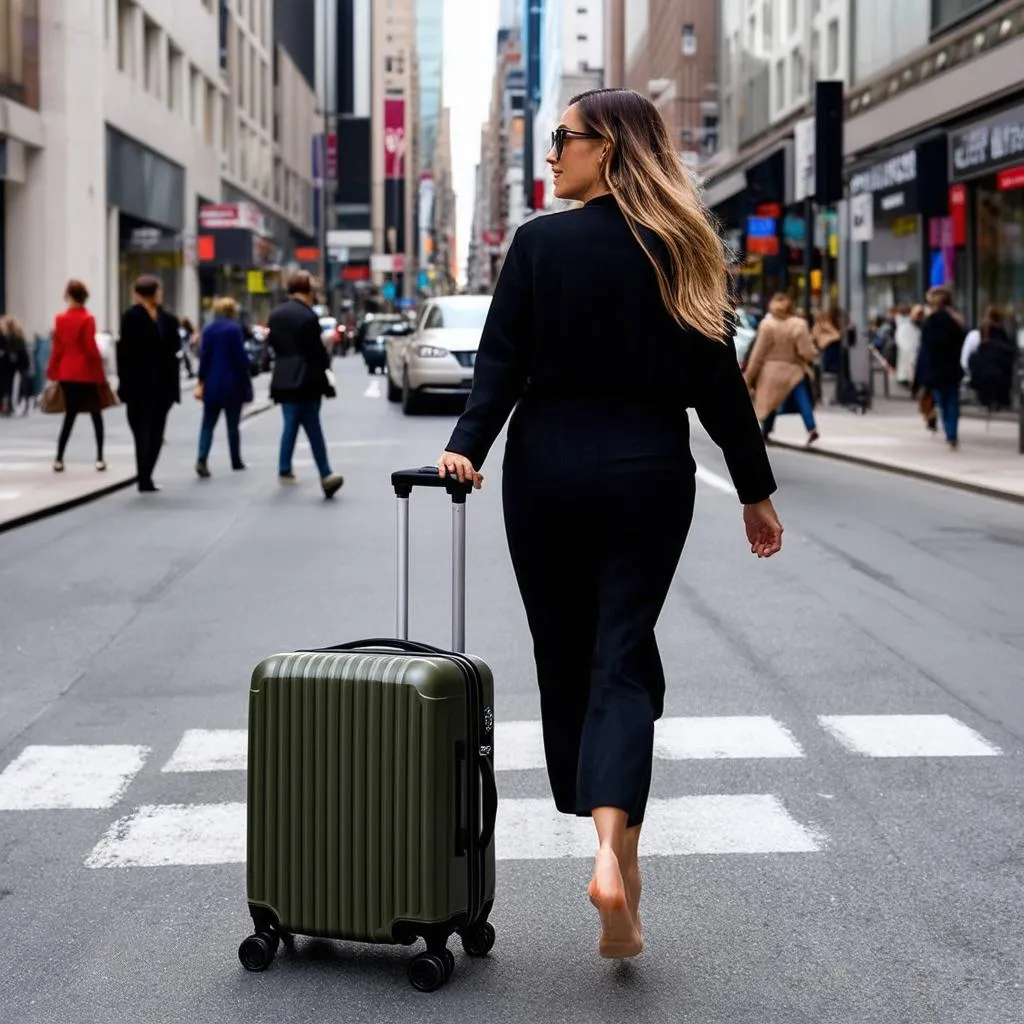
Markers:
938,366
224,382
76,364
781,366
598,485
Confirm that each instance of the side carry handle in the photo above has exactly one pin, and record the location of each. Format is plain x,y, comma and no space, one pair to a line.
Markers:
490,794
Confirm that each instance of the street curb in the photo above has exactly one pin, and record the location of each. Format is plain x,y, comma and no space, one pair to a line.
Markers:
907,471
102,492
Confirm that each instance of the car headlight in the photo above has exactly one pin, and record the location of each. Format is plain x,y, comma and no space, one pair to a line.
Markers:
431,352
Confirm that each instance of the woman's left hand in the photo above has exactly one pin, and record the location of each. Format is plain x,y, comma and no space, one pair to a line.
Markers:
452,462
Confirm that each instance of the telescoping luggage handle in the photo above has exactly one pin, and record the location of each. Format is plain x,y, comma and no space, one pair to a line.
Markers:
404,482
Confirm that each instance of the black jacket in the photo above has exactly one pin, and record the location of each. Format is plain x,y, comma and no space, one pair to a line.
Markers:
577,318
300,357
942,341
147,358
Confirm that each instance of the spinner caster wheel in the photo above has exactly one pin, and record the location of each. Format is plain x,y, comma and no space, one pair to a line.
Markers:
449,963
257,952
479,939
428,972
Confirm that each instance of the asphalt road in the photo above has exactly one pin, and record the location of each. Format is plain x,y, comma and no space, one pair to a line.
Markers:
813,865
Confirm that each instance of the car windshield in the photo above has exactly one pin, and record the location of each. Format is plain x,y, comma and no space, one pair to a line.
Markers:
375,328
455,315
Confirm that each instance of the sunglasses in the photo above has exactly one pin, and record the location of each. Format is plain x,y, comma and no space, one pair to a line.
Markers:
559,135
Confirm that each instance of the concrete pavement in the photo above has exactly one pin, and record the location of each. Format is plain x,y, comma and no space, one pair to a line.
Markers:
892,436
30,489
814,854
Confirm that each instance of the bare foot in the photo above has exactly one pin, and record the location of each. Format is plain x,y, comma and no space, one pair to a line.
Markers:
634,888
620,938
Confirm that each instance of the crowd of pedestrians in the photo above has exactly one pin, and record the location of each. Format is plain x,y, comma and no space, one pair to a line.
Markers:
149,367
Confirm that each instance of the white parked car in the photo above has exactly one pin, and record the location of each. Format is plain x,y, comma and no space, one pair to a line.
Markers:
438,356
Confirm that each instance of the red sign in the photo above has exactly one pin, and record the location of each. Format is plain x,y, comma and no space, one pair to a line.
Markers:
1011,179
307,254
394,138
958,213
355,273
206,248
398,263
224,216
538,194
769,210
767,246
494,236
332,156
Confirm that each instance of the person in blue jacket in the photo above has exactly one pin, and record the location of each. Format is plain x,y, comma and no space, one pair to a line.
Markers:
224,381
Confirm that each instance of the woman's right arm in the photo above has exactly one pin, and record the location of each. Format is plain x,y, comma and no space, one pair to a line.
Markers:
502,362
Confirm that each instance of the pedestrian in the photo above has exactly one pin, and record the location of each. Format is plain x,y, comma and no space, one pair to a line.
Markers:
988,357
299,381
148,374
76,365
939,370
19,367
224,382
781,366
598,484
188,335
7,371
908,342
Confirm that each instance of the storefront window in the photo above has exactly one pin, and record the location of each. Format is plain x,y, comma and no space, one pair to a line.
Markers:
949,12
19,51
894,265
1000,232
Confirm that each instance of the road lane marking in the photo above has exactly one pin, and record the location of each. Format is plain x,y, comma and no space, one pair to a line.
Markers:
907,736
518,746
705,476
372,390
171,835
754,736
10,495
210,750
174,834
69,777
756,823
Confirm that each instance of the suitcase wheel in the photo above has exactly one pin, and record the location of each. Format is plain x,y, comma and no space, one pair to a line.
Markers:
257,951
479,939
429,971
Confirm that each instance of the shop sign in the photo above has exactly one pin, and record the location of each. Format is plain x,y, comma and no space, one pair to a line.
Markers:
228,216
893,173
1006,181
804,148
958,213
988,144
862,218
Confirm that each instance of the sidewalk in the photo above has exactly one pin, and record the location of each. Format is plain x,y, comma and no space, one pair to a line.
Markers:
29,488
893,437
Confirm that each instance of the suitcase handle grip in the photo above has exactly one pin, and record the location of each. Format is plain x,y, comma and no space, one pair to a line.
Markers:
410,646
404,480
490,794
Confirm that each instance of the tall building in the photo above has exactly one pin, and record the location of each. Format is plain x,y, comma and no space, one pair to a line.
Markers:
430,50
395,146
571,60
933,145
444,263
122,124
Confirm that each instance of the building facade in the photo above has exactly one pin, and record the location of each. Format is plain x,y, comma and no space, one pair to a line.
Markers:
124,120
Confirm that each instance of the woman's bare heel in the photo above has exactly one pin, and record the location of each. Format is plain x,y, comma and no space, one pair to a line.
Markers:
634,888
620,938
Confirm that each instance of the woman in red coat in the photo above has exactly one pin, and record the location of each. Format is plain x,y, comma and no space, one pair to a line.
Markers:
76,364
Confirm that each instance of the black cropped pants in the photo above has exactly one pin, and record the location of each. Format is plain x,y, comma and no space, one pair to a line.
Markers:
595,545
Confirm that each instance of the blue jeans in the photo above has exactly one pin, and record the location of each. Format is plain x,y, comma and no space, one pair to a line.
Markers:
307,416
233,415
804,400
947,398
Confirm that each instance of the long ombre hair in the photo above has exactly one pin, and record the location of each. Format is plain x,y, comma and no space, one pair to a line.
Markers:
654,191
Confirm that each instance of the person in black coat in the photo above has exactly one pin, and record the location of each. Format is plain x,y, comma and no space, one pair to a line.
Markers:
299,381
938,362
149,378
598,481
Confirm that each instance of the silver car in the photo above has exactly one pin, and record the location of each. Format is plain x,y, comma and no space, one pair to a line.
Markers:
438,357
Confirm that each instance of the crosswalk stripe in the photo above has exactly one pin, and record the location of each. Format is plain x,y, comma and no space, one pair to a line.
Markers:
753,823
908,736
69,777
210,750
174,834
527,829
753,736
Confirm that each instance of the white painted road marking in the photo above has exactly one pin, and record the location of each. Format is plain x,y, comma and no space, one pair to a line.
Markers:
210,750
680,739
206,834
10,495
372,390
907,736
174,834
518,746
534,830
69,778
705,476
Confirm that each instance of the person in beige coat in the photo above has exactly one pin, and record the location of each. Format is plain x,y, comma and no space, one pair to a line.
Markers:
780,366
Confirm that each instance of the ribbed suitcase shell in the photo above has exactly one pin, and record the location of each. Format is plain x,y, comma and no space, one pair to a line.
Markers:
355,761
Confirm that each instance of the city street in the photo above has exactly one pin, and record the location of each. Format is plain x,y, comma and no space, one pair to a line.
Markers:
837,819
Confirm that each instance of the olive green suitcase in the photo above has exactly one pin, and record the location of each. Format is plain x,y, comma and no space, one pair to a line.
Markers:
371,792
